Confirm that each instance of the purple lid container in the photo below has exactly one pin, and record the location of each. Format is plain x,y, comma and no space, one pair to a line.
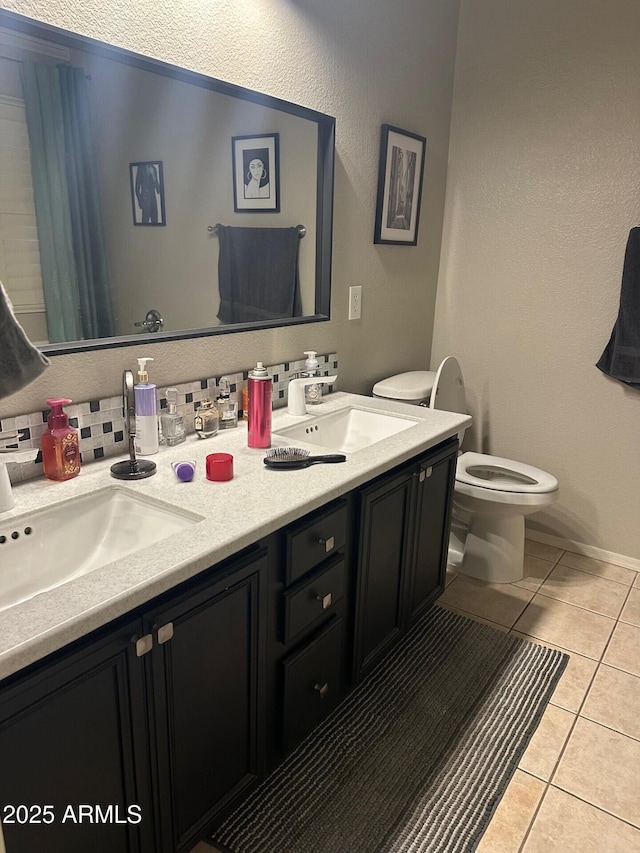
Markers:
184,470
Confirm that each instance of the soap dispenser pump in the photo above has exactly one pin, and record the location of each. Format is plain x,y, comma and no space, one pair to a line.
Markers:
60,445
146,440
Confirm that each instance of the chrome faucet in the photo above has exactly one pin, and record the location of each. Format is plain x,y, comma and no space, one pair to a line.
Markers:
131,468
295,392
11,454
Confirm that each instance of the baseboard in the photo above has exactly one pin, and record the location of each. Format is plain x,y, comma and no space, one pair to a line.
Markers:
581,548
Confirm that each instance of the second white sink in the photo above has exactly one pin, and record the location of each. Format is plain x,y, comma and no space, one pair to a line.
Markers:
47,548
349,429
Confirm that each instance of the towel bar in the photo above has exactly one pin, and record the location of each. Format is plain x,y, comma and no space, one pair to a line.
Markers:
213,229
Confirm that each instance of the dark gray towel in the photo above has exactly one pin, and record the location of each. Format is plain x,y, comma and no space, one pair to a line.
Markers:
621,357
258,274
20,361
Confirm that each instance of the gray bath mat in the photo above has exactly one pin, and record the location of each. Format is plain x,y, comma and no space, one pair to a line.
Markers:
416,758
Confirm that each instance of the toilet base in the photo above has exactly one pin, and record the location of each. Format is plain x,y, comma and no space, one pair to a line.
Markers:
492,549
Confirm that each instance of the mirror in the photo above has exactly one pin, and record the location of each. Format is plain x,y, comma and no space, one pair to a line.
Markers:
120,237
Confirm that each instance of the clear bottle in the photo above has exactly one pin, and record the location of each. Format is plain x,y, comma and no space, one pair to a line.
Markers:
60,445
227,408
171,421
312,392
206,419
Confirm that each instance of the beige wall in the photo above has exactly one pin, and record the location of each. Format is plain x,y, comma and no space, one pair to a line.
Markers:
543,188
366,62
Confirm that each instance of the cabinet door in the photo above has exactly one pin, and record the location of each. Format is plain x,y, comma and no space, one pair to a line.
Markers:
433,493
382,559
73,739
205,684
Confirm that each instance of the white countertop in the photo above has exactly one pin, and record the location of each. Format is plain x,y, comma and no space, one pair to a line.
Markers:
236,514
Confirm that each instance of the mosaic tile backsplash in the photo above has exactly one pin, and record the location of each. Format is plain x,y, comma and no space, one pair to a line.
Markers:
100,422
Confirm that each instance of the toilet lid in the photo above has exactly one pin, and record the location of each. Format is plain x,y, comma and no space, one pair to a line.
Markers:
503,475
414,385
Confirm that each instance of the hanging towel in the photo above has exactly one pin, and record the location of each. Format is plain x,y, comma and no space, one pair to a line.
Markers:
258,274
621,357
20,361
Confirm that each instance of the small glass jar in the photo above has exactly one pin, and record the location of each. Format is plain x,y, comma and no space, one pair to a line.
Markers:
206,419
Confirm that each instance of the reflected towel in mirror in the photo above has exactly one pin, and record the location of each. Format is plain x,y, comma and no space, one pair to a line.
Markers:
20,361
258,274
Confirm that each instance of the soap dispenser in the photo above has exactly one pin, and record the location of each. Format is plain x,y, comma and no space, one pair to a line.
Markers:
60,445
146,440
312,392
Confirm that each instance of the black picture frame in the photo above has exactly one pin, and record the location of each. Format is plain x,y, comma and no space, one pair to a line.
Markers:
400,176
147,192
256,192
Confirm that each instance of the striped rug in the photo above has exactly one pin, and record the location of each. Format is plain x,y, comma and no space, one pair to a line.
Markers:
416,758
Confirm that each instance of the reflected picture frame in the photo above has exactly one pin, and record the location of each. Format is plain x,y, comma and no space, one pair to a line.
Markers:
400,177
256,173
147,192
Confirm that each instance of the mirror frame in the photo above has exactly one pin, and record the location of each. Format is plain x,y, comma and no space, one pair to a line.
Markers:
325,180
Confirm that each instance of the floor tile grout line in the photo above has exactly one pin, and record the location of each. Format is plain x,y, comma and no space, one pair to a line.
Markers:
601,577
579,606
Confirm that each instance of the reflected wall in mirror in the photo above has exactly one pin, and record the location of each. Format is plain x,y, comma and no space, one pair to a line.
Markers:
78,119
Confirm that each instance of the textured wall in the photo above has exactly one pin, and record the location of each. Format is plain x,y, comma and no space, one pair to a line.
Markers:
366,62
542,191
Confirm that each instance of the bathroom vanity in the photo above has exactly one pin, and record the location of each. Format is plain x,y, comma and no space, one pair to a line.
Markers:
143,700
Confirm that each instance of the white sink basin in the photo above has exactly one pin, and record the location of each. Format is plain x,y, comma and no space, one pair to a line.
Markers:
348,429
49,547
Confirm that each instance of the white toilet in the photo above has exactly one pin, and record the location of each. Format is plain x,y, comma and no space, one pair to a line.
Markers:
492,495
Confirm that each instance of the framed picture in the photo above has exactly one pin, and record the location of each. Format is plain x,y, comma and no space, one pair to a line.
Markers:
256,173
399,186
147,193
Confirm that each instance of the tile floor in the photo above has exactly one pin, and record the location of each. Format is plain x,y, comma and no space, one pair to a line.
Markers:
577,789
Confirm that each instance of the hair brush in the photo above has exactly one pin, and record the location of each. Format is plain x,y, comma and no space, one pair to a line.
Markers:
290,458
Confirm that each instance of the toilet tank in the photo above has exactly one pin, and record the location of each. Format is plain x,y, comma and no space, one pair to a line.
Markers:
413,387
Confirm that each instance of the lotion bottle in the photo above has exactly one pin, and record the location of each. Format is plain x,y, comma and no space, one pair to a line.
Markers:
60,446
146,441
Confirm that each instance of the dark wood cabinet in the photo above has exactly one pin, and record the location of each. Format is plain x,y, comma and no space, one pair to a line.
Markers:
156,723
73,735
383,556
206,699
160,723
433,485
404,520
309,601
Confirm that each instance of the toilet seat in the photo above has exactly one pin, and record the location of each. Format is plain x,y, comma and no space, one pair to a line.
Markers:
497,474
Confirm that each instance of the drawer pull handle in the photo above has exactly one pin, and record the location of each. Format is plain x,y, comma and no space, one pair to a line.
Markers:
327,600
322,689
143,644
328,543
165,633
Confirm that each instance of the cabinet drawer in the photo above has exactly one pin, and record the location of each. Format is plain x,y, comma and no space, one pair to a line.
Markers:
311,541
317,596
312,683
